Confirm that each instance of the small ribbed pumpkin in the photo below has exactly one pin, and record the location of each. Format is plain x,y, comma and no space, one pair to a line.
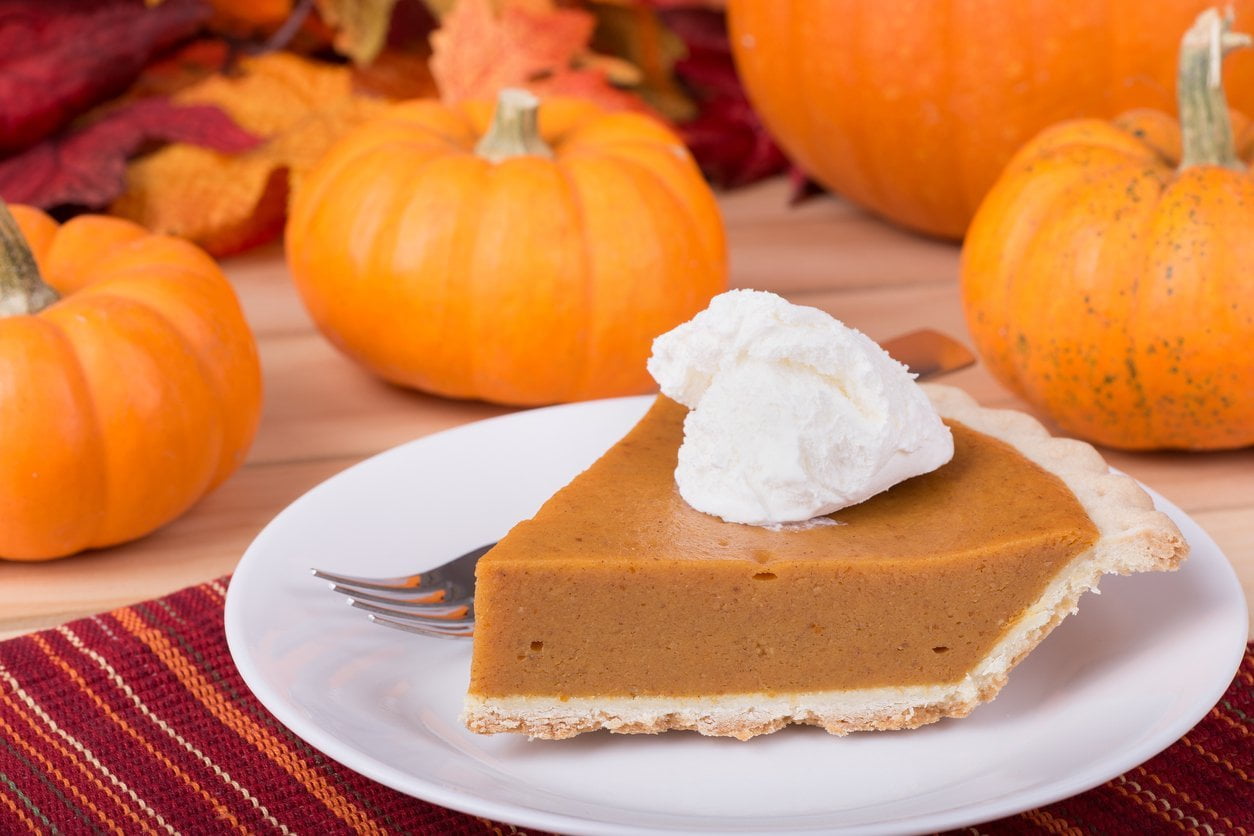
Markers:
129,382
507,256
1109,276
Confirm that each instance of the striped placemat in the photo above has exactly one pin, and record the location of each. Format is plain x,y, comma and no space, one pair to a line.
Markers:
136,721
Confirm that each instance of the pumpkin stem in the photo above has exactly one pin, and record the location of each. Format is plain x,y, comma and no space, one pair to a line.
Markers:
514,131
1206,131
22,289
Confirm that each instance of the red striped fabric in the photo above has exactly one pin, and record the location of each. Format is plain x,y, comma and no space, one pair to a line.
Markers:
136,721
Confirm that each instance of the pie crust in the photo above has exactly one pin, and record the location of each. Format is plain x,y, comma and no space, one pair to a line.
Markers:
1132,537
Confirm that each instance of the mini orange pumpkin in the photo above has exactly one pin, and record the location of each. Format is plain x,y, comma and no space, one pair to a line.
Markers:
1109,276
126,400
516,264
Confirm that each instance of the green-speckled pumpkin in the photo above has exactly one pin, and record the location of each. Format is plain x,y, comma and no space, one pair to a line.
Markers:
1108,278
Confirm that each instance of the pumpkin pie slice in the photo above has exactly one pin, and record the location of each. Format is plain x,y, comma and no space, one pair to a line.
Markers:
620,607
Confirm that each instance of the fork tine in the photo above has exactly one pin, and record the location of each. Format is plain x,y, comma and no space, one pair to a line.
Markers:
437,602
401,599
433,629
449,612
381,584
456,573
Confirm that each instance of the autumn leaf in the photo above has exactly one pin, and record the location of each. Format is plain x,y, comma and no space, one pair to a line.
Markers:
477,51
227,203
361,26
58,58
243,15
179,69
727,138
87,167
440,8
678,4
633,32
396,74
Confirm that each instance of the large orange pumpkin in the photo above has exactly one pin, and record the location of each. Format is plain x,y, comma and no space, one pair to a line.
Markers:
912,109
129,382
1109,276
508,265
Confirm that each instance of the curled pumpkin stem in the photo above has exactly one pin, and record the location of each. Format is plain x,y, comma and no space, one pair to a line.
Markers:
1206,129
515,129
22,289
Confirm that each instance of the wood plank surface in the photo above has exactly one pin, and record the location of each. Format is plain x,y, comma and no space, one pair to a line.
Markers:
323,413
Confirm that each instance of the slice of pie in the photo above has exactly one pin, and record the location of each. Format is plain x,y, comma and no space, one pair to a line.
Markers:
620,607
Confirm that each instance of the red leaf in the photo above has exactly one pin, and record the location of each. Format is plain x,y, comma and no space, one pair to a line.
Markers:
88,167
60,57
727,138
730,144
801,187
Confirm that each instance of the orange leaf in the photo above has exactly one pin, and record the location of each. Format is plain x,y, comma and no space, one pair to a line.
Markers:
476,52
396,74
227,203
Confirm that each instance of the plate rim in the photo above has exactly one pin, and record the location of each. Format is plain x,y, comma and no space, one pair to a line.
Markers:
467,802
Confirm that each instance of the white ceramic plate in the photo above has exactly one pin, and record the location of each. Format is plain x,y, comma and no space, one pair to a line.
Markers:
1113,685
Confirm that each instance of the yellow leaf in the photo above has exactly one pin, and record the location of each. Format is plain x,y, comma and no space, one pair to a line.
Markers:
227,203
361,26
633,31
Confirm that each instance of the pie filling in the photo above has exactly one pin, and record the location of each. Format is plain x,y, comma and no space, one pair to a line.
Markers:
617,588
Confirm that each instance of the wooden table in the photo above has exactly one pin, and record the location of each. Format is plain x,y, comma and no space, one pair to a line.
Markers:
323,414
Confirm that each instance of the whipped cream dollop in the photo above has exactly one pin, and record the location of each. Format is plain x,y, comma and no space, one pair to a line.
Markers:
793,414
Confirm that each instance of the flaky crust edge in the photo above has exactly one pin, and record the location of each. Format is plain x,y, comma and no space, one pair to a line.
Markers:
1134,537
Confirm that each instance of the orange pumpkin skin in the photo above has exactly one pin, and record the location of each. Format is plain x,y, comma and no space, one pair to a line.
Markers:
912,109
127,400
526,281
1116,293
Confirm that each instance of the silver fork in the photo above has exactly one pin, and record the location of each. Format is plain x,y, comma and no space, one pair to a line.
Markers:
441,601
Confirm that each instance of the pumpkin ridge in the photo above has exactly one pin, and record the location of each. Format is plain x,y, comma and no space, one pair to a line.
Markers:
427,116
1074,140
82,242
306,201
576,149
392,232
89,402
92,444
614,129
149,253
582,377
678,307
1058,195
330,318
504,340
122,523
933,202
222,389
686,209
811,133
458,269
100,447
